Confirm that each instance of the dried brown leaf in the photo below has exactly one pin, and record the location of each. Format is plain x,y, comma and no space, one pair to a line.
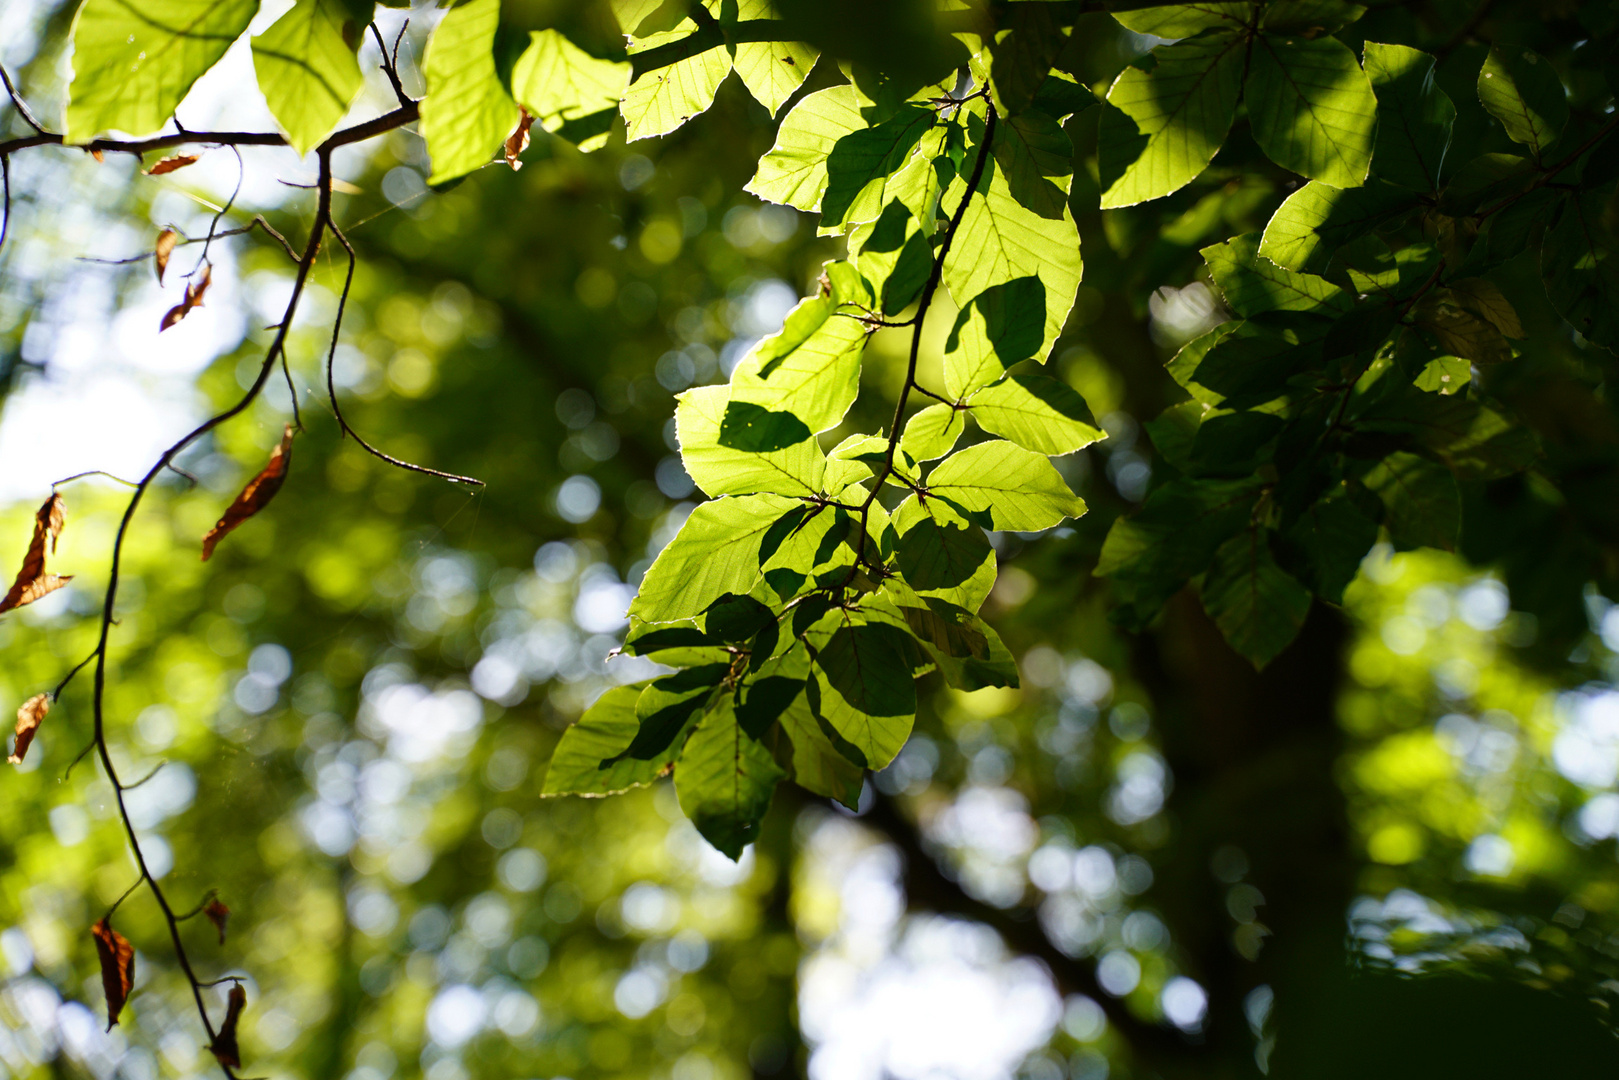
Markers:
255,496
219,915
224,1045
163,249
517,141
99,156
193,299
174,161
32,580
117,967
29,715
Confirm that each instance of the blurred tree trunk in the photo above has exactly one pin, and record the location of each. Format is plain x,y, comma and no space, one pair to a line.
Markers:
1255,805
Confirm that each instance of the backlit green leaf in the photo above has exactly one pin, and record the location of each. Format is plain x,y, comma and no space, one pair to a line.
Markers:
1164,126
1000,239
1186,20
812,367
932,432
561,84
719,469
1252,284
1036,411
724,780
1520,89
858,166
793,173
1414,116
134,62
716,552
1002,326
1318,218
589,761
862,683
467,113
1020,489
307,69
1312,108
941,554
664,98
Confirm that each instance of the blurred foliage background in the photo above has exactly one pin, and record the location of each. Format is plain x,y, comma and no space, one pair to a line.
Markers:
1394,850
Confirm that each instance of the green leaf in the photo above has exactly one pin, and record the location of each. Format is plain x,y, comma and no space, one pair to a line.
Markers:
812,367
1036,411
932,432
778,462
664,98
1477,443
1183,366
561,84
1037,158
1470,319
1519,88
716,552
1019,488
589,760
1422,506
1309,18
771,70
1311,108
1000,327
893,256
1577,261
724,780
668,708
1318,218
1061,96
793,173
1252,284
1022,53
817,765
862,683
941,554
1444,375
1000,239
1258,606
467,113
1333,536
967,652
1186,20
1165,125
1414,116
860,162
307,69
134,62
1171,539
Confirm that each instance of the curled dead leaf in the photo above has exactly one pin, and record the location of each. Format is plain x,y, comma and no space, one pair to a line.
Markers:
193,299
219,915
99,156
163,249
174,161
517,141
255,496
224,1046
32,580
29,716
117,957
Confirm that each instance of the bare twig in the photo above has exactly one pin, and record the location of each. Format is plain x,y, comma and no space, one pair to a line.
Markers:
18,103
258,222
389,66
331,381
923,304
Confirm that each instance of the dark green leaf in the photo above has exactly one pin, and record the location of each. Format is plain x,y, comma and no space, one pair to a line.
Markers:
1258,606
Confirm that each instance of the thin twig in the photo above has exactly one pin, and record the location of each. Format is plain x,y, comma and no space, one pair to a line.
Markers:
926,300
331,381
258,222
276,351
18,102
388,67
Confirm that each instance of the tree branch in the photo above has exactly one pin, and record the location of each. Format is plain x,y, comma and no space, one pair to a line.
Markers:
930,888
